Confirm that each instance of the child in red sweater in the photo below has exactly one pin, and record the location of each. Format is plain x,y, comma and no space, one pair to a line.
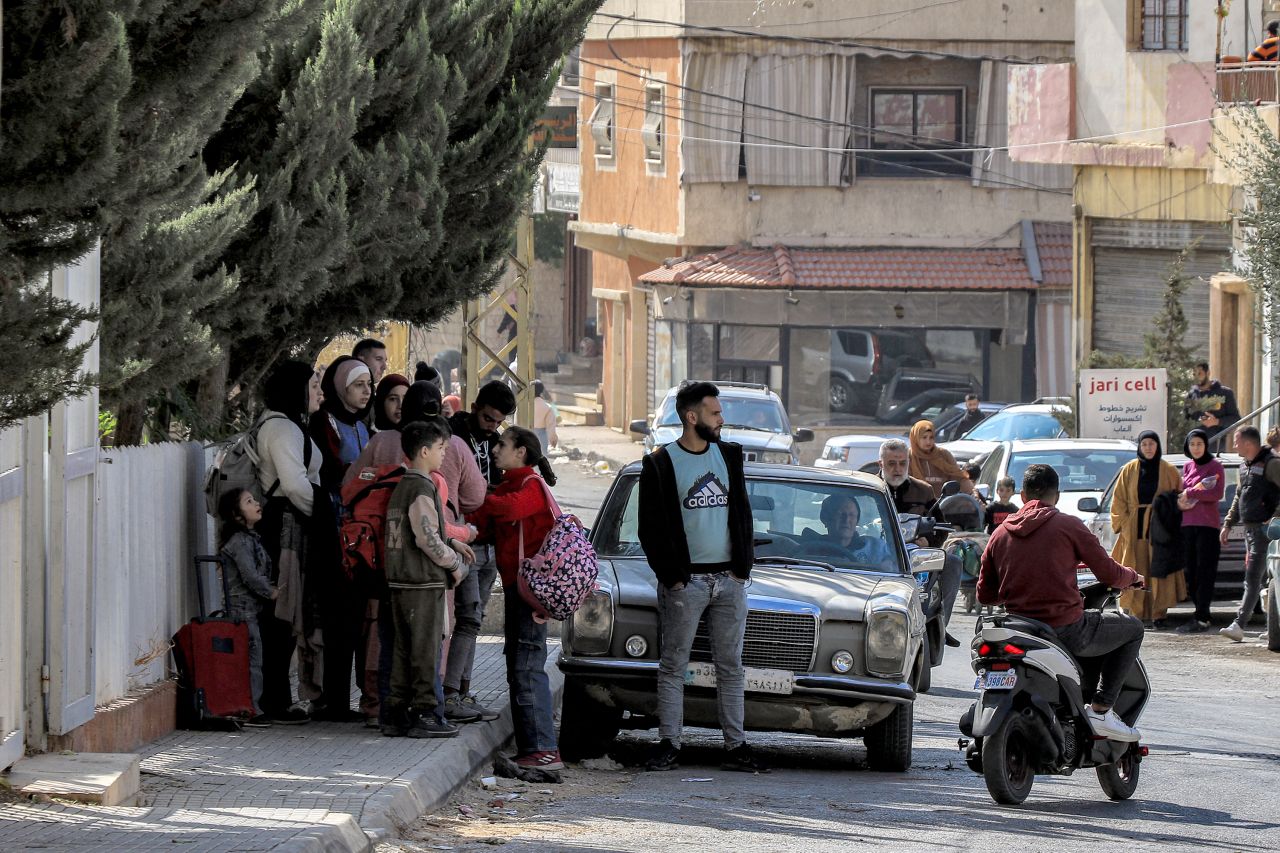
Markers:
518,517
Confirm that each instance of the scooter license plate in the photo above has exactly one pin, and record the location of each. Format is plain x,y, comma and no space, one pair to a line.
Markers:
996,681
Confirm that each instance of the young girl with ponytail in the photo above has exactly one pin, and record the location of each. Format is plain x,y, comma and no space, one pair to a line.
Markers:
519,517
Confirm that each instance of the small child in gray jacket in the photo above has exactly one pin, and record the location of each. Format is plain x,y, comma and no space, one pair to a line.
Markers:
248,572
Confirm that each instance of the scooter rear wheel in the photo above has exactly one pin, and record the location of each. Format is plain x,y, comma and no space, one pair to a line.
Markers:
1008,761
1119,780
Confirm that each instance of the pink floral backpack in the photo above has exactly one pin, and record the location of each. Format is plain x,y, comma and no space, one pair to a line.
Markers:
557,580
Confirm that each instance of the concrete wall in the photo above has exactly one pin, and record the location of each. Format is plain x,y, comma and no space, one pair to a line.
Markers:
969,20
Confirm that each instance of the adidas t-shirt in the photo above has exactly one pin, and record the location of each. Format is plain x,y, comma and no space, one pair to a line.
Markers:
702,482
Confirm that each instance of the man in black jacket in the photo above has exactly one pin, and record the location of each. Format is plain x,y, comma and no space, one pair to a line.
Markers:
695,528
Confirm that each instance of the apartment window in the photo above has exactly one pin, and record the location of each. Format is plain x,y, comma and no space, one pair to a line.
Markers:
602,121
911,130
1163,24
654,114
572,64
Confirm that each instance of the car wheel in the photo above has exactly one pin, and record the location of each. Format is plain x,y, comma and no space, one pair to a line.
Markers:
842,395
889,741
1273,615
587,727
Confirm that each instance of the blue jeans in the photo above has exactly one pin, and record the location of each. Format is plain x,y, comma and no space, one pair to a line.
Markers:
526,653
469,600
724,600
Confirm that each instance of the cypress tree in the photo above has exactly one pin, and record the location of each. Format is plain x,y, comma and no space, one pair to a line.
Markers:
191,61
63,73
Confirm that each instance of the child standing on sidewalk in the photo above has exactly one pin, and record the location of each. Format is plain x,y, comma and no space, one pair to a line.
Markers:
248,572
422,560
520,517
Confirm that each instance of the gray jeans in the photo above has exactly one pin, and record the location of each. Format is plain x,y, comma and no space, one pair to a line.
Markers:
1255,569
724,600
469,600
1114,637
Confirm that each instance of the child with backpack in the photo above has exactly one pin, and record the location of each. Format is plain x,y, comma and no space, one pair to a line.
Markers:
421,561
519,516
248,578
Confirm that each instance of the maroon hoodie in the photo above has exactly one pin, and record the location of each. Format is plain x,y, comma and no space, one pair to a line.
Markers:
1030,565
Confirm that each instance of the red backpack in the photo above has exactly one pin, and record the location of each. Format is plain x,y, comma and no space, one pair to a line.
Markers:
363,530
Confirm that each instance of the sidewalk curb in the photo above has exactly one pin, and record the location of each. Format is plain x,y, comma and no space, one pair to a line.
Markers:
338,833
428,786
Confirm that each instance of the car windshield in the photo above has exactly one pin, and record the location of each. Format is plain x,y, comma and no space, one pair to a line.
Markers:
845,526
763,414
1079,470
1012,426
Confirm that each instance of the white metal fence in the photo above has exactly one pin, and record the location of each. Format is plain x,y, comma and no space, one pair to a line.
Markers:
151,522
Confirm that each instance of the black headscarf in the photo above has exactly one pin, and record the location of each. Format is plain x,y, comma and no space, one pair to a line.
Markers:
421,401
1186,446
1148,469
286,390
389,383
333,400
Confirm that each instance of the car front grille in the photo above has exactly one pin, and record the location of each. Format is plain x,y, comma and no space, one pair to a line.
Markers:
773,641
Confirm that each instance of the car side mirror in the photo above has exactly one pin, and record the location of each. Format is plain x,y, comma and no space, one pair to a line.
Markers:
640,427
984,491
804,434
1088,505
927,560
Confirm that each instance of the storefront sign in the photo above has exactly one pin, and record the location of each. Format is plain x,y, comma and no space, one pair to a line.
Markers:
1123,403
562,124
562,187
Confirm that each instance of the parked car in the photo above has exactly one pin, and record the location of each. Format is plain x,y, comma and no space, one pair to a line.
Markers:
753,417
906,384
946,425
833,647
862,360
1085,467
1032,420
1230,582
852,452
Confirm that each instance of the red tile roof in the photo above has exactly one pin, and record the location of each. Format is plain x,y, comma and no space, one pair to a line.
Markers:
1053,241
850,269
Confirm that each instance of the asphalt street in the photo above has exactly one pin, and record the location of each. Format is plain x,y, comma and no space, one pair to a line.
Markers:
1211,781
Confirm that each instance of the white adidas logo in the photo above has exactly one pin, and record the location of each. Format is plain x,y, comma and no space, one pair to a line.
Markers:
707,493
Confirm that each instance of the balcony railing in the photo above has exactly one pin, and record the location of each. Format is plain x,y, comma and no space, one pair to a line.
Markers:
1248,82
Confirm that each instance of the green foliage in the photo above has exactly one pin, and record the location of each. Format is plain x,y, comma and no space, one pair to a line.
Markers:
548,237
1256,156
43,365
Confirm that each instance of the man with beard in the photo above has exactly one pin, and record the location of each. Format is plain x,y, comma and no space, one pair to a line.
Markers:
479,430
916,497
695,528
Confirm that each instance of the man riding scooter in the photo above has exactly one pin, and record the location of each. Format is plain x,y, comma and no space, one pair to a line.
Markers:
1029,566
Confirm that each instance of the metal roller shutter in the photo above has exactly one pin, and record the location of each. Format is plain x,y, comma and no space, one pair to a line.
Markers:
1130,262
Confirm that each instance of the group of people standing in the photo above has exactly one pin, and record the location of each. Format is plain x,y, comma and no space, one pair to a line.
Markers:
469,502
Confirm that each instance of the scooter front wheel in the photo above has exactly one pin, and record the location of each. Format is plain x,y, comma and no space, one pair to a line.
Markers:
1119,780
1008,761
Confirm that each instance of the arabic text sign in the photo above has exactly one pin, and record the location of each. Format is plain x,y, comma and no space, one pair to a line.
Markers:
1123,403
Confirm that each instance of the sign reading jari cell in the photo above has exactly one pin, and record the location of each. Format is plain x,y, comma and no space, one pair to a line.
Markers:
1123,403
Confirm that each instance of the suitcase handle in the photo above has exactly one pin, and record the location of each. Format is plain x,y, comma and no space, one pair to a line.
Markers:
201,559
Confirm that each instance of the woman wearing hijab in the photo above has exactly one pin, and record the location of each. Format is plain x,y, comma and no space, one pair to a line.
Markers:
388,402
929,462
1203,483
338,428
1137,485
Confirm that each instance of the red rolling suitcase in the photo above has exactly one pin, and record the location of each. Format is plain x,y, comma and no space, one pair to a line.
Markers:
212,657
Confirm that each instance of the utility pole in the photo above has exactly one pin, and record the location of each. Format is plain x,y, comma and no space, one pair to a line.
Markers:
478,358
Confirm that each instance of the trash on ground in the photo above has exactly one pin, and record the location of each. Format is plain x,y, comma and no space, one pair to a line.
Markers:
605,763
488,782
698,779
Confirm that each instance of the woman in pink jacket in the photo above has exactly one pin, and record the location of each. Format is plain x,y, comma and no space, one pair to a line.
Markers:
1203,484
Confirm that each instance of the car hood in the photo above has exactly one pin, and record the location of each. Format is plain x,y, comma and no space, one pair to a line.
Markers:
968,449
835,595
748,438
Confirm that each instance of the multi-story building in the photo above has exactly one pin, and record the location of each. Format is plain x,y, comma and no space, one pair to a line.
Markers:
1145,115
758,178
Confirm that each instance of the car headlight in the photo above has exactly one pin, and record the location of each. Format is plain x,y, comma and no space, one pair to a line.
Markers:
886,642
842,662
776,457
591,627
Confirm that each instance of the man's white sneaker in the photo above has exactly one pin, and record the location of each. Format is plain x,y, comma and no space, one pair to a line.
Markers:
1233,632
1110,726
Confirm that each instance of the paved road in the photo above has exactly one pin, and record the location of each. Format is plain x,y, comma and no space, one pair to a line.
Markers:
1211,781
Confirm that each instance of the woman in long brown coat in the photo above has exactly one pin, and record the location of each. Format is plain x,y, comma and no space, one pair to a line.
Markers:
1136,487
929,462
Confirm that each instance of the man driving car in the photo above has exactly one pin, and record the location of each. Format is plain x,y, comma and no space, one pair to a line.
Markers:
1029,566
841,515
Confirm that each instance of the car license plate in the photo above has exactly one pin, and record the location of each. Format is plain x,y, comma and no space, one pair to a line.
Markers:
758,680
996,681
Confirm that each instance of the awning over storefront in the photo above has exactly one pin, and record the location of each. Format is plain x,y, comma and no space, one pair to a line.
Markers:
957,288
